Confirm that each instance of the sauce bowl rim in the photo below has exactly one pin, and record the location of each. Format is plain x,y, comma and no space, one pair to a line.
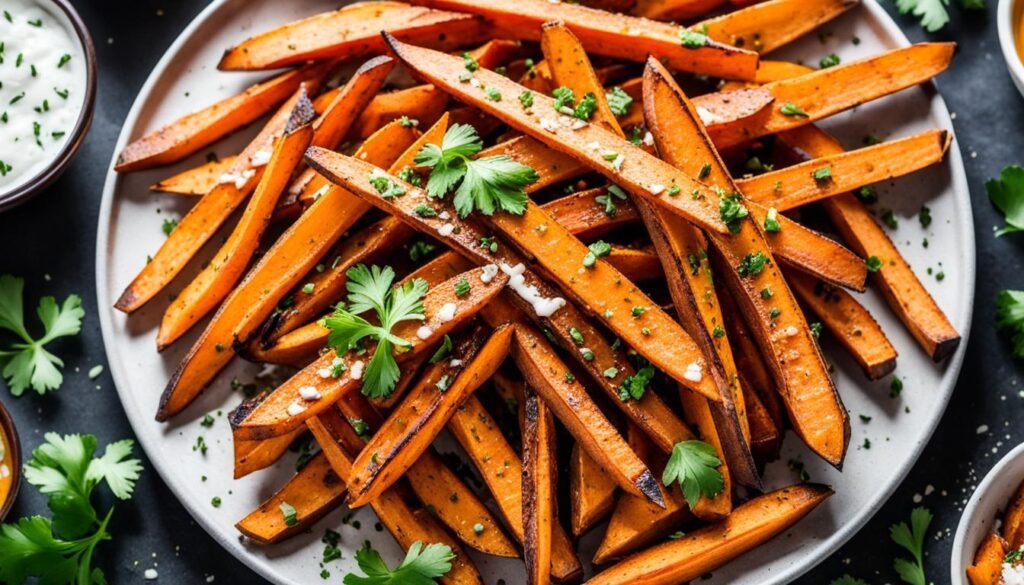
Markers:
60,163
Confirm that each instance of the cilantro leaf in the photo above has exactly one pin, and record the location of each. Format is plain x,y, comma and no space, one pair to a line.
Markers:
421,566
116,468
848,580
486,184
60,550
933,14
912,539
1010,316
372,289
28,363
1007,194
694,464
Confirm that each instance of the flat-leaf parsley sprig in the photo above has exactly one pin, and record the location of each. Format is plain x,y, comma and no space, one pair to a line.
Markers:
1007,194
694,464
421,566
372,289
60,550
486,184
912,538
1010,317
27,363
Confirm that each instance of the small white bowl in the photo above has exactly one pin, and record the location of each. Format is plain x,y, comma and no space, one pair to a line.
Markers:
986,505
1006,16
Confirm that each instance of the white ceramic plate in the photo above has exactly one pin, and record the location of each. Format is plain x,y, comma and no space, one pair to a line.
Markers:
129,229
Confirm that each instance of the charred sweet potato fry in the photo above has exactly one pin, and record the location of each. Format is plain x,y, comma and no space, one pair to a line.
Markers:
703,550
614,35
850,323
351,32
539,477
193,132
197,180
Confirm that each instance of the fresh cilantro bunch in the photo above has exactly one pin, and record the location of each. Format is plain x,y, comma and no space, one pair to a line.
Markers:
912,539
1007,194
372,288
422,565
27,363
486,184
694,464
934,14
1010,316
60,550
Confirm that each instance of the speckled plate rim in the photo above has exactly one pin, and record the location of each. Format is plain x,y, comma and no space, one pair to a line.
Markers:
785,574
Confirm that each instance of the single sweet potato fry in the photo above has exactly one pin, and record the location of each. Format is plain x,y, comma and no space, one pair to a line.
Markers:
591,491
252,456
628,165
791,187
802,100
197,180
352,32
705,549
766,26
193,132
850,323
988,561
313,491
539,480
675,10
613,35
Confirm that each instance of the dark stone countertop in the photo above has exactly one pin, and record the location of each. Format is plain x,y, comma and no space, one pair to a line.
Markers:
51,243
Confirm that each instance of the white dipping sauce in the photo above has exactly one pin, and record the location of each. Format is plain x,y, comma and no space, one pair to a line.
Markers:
42,89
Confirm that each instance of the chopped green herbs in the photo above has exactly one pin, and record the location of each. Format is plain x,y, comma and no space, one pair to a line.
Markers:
597,250
791,109
619,101
752,264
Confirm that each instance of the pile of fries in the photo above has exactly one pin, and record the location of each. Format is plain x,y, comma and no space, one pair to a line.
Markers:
526,333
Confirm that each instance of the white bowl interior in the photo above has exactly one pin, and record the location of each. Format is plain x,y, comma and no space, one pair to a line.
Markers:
984,510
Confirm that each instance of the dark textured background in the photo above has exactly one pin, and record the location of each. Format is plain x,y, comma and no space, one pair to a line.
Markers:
51,243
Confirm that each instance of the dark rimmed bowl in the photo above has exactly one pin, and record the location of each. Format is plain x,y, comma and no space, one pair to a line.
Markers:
14,444
59,164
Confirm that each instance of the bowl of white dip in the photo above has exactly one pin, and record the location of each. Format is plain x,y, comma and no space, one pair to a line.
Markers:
47,90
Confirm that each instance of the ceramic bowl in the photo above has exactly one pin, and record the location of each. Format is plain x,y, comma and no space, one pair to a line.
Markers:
984,510
65,12
1008,15
7,427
